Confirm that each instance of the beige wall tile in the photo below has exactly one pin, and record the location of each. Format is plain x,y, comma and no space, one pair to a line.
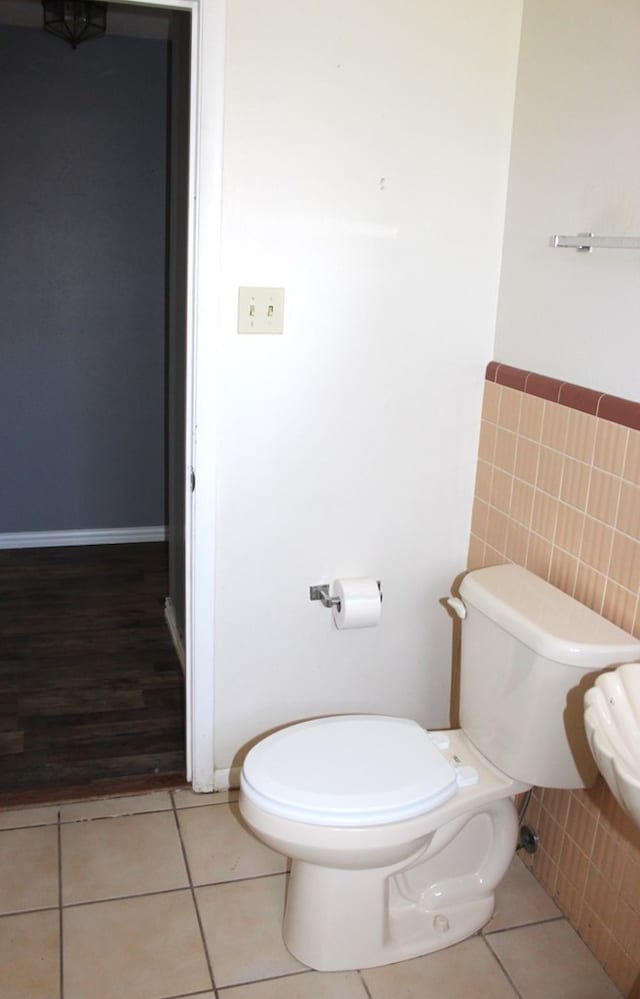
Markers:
564,569
589,588
581,435
517,543
597,539
491,401
484,475
569,529
527,455
604,494
475,558
531,416
623,970
501,487
619,605
625,562
555,425
581,825
568,898
487,441
521,502
594,932
505,450
575,483
479,517
510,406
631,470
544,516
629,513
611,446
549,471
497,526
539,556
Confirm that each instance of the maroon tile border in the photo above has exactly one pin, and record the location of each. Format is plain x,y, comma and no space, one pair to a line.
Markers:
586,400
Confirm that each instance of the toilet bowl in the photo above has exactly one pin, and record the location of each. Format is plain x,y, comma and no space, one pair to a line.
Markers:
387,862
399,836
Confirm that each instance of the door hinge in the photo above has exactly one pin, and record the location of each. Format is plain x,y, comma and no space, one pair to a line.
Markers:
193,480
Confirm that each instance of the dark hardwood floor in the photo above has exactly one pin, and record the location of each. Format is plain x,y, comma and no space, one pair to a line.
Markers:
91,690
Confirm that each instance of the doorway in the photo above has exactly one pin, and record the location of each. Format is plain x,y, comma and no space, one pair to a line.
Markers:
87,455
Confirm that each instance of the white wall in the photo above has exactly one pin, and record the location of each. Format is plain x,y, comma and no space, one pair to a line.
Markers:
365,161
574,168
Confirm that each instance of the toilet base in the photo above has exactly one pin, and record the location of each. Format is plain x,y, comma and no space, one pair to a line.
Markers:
338,919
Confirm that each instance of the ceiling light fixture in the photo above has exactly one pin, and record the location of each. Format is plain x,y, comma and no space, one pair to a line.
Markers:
75,20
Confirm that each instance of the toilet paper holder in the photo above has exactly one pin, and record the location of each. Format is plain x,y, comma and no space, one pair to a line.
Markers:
321,593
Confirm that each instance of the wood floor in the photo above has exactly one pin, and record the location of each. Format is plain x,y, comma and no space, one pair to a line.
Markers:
91,690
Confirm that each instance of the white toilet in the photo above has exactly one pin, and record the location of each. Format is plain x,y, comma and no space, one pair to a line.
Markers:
399,836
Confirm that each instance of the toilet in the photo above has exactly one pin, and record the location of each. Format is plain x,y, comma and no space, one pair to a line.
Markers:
398,836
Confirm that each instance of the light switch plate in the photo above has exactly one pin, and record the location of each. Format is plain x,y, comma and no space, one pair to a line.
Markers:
260,310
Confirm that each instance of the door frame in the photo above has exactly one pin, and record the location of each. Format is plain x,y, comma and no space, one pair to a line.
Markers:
206,103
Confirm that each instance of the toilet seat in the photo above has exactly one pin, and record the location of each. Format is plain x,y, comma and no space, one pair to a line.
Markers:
348,771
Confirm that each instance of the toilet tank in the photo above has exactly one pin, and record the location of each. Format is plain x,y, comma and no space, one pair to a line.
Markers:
528,654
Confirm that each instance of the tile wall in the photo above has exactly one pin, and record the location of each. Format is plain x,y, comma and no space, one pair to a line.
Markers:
558,491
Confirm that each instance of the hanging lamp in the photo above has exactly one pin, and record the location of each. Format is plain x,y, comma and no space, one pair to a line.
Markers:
75,21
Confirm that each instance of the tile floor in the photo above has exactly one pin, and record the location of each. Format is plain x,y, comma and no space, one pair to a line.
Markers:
165,895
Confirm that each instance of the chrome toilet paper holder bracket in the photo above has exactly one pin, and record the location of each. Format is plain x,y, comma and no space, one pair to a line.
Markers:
321,593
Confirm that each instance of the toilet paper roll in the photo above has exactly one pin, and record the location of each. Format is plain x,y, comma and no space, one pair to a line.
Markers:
360,603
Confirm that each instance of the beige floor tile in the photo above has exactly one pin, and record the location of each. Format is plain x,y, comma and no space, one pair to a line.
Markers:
242,926
309,984
186,798
19,818
466,969
134,948
110,858
520,899
219,847
550,961
28,868
133,804
30,956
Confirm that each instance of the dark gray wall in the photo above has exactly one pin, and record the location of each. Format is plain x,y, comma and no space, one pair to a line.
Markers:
179,60
82,267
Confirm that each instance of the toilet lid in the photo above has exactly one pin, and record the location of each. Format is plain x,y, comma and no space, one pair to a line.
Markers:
349,770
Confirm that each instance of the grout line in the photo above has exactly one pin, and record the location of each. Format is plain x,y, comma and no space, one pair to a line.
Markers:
193,897
525,926
158,891
60,910
364,985
502,967
270,978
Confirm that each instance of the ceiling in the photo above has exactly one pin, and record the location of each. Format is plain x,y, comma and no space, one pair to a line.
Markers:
122,18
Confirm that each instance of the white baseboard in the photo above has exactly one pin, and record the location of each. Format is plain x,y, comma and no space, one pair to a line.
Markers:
174,631
223,780
62,539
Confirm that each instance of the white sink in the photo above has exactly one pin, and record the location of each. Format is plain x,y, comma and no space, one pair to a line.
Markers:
612,721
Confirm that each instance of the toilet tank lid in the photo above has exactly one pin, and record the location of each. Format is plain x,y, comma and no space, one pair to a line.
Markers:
545,619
